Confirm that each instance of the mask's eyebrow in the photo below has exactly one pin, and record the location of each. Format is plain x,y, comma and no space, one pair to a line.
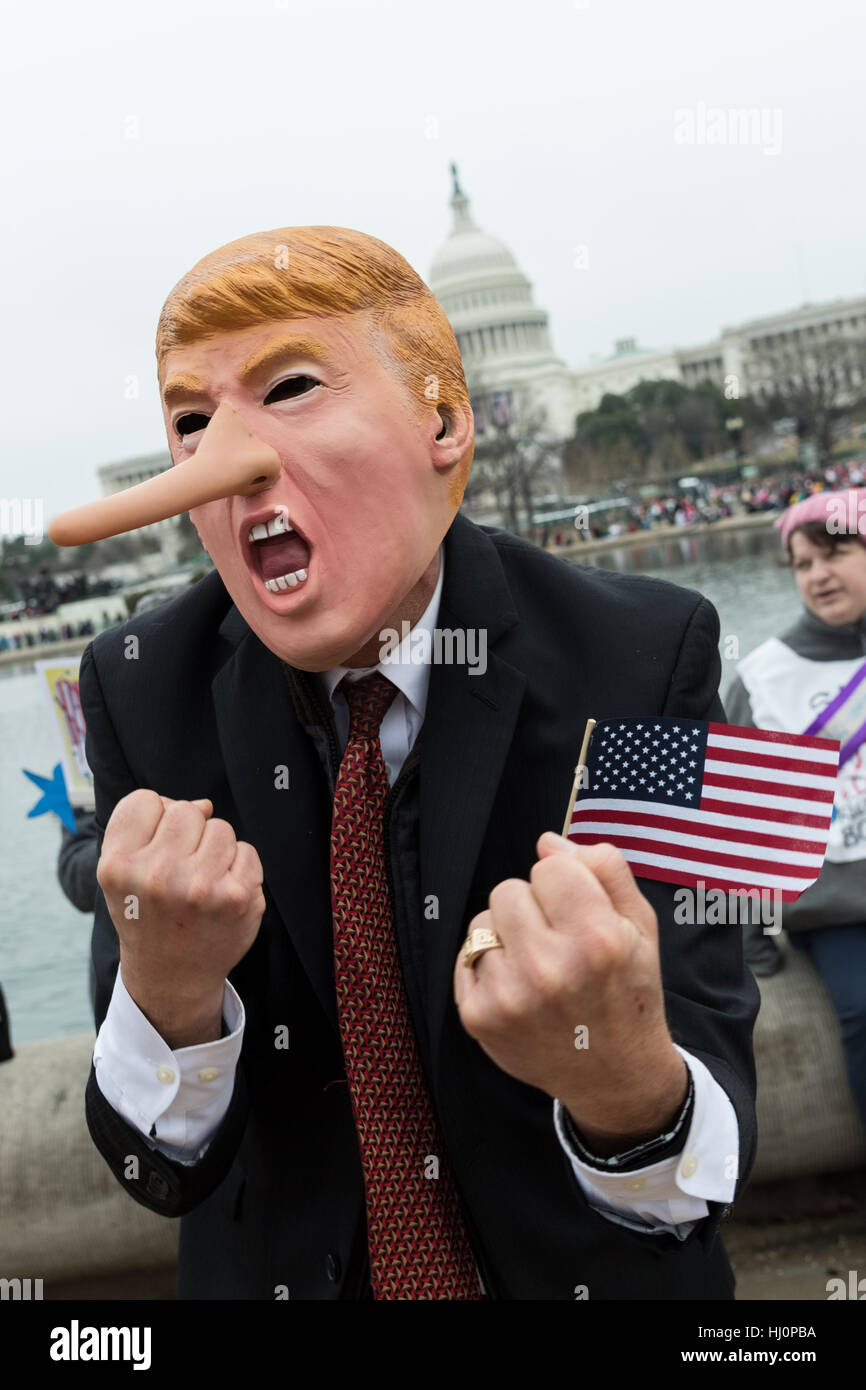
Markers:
182,386
279,349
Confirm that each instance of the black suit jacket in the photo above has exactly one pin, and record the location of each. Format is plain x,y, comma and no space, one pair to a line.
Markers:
276,1201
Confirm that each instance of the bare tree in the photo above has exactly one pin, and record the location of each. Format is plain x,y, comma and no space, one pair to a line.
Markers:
812,379
516,463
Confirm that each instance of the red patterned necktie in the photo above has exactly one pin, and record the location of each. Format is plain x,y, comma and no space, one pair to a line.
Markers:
417,1240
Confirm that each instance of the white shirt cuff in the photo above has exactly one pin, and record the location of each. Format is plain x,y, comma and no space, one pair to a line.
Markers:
177,1099
666,1195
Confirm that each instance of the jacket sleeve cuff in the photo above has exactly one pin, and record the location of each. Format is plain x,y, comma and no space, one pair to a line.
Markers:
675,1190
178,1098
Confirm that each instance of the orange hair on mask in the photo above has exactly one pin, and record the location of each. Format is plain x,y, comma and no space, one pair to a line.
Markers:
325,271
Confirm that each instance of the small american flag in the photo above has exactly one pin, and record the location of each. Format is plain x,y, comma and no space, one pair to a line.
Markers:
690,802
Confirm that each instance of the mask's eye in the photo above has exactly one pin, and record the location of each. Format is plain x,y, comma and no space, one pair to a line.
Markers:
292,386
190,424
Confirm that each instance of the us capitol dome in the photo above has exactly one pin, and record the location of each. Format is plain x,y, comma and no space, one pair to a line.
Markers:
503,336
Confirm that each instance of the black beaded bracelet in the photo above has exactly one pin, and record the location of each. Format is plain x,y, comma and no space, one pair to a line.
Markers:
663,1146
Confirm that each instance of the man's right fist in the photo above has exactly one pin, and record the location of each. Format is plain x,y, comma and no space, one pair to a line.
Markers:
186,899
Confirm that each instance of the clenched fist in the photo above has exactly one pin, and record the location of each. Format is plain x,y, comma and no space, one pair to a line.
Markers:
573,1002
186,899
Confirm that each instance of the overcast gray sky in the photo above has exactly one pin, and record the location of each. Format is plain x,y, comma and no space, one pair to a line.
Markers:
139,137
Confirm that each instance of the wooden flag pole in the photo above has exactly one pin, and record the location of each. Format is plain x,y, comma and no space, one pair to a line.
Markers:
581,763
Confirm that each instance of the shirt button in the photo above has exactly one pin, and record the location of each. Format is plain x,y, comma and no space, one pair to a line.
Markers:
208,1074
689,1166
165,1074
635,1185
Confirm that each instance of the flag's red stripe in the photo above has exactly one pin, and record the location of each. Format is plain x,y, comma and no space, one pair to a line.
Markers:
690,827
770,813
768,735
685,853
750,784
734,755
787,895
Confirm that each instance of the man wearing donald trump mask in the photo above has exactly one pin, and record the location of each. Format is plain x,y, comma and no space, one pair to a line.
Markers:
376,1031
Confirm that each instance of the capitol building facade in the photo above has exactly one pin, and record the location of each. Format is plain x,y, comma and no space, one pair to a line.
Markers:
512,369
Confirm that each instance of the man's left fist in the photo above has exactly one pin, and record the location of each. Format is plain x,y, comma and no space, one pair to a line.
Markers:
573,1003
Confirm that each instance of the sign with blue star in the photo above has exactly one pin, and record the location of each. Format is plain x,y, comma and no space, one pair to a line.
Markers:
54,796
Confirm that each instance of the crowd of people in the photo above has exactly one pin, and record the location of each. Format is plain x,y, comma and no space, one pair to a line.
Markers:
774,494
43,593
14,639
706,503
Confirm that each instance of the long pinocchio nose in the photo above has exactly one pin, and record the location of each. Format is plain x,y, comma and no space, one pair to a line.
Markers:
229,461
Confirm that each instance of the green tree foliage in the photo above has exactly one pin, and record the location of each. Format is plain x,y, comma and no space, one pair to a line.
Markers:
656,428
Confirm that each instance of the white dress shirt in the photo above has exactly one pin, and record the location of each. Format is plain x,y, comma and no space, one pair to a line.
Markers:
178,1098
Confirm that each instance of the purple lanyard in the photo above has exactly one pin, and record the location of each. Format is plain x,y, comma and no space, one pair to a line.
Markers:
852,700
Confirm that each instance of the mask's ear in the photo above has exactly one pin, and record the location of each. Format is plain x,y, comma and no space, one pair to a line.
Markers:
452,434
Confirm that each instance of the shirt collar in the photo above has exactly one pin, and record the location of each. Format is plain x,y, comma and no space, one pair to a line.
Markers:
408,665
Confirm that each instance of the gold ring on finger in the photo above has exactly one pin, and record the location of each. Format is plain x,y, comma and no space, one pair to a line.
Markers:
479,940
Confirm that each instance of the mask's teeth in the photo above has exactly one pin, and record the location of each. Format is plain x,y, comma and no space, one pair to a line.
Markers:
286,581
278,525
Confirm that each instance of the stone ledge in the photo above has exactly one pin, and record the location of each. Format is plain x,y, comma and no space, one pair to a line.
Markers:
63,1215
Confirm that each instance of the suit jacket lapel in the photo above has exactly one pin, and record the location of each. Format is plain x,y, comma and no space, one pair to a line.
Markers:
259,736
468,728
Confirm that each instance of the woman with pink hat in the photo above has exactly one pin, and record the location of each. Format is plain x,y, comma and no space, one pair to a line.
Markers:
812,680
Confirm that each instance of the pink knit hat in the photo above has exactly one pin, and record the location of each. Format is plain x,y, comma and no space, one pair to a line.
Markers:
844,513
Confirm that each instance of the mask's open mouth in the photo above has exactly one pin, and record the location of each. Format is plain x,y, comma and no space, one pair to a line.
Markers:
280,554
